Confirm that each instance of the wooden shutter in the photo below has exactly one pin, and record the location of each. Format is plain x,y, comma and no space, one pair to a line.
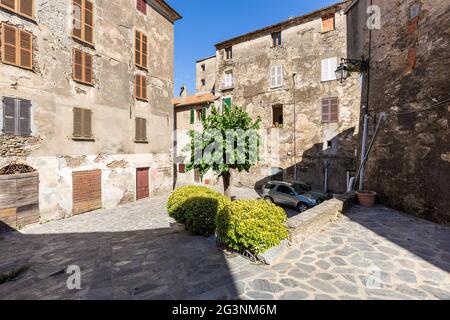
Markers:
142,6
82,66
26,8
77,122
77,65
88,16
26,49
9,4
144,48
9,44
141,129
24,117
328,23
137,86
137,49
77,21
144,87
203,114
140,87
87,123
330,110
88,65
9,116
192,117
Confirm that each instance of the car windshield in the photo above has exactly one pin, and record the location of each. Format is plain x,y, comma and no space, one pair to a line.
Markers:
300,188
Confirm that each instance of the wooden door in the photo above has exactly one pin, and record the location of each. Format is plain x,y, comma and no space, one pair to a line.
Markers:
87,191
142,188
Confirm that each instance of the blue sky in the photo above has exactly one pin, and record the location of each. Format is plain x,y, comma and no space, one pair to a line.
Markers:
207,22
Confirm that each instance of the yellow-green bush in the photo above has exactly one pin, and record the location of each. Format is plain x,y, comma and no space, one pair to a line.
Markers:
254,225
197,207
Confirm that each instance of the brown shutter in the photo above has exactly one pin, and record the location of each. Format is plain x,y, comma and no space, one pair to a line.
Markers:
138,49
9,116
26,8
77,122
10,4
136,125
334,110
88,21
144,129
88,65
144,51
87,123
325,110
9,44
144,87
137,86
24,117
77,65
26,49
77,18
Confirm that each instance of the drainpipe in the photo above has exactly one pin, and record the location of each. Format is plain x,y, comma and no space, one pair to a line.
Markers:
363,152
295,125
325,183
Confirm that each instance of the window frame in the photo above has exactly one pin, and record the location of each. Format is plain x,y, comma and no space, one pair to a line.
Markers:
329,65
82,38
329,113
141,54
228,81
275,75
229,53
83,67
17,118
276,39
324,18
280,125
17,11
83,136
136,138
17,47
140,96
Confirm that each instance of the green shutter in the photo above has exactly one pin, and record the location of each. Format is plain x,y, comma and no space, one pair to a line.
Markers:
203,114
192,116
226,103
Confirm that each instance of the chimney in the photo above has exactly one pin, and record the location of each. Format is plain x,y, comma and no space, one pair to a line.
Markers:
183,93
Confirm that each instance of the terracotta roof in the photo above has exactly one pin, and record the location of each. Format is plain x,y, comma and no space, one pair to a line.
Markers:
283,25
197,99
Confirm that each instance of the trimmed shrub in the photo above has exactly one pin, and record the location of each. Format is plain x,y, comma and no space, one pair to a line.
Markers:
197,207
253,225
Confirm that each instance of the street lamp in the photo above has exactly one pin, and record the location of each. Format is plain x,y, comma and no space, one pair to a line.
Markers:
347,66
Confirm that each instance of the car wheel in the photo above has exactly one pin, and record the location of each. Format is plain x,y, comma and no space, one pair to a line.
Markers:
269,199
302,207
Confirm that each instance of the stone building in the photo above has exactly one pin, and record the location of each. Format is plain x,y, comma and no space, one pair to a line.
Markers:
408,83
189,114
86,88
285,74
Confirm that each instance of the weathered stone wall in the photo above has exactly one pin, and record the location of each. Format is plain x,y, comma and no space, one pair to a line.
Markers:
303,47
209,74
54,94
409,165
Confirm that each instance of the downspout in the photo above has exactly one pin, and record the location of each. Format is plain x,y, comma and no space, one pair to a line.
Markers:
295,125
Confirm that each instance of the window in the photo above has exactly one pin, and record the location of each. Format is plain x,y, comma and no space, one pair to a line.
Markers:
285,190
16,116
17,47
414,11
198,115
141,130
203,67
82,67
328,23
142,6
141,50
276,39
226,103
21,7
181,168
276,76
140,87
203,82
83,20
277,116
228,80
329,67
82,123
330,110
229,53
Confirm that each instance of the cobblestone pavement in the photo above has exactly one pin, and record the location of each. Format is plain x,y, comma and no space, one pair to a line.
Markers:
131,252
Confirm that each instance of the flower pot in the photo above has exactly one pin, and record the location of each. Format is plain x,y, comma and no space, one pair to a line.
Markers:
366,198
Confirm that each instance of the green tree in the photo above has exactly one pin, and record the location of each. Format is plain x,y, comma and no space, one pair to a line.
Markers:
229,141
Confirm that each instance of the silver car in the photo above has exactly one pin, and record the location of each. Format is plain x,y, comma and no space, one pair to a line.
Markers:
284,194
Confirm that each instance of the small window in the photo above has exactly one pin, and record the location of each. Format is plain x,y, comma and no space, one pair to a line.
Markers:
83,20
228,80
330,110
140,87
17,47
141,130
276,39
82,123
82,67
277,116
203,67
330,144
181,168
142,6
414,11
192,117
16,116
229,53
276,76
21,7
328,23
226,103
203,82
141,47
329,67
198,115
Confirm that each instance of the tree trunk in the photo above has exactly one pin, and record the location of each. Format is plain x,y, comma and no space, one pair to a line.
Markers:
226,177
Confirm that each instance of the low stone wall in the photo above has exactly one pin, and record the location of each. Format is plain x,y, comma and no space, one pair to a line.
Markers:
311,221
